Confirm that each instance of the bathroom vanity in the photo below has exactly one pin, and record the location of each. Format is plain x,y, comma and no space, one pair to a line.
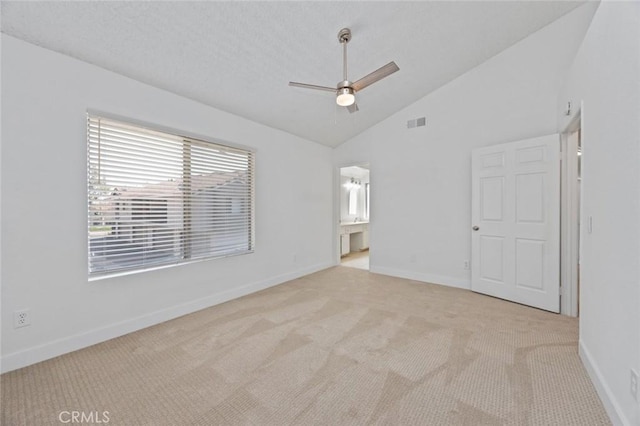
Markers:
354,236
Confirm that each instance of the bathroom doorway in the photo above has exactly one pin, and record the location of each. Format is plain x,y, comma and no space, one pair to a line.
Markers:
571,218
355,207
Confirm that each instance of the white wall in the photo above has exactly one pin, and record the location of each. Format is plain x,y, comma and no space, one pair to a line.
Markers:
421,179
605,77
45,96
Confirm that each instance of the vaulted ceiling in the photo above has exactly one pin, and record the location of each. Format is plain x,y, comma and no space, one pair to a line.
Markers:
240,56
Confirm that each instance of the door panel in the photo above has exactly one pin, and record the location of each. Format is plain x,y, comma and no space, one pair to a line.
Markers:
493,160
530,155
492,259
516,208
530,264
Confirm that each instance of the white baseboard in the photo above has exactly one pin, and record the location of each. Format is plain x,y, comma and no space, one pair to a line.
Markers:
49,350
616,415
418,276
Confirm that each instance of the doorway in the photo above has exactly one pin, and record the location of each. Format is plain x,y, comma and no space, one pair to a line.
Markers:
570,234
355,206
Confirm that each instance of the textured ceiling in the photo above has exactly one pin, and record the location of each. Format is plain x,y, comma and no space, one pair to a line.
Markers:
240,56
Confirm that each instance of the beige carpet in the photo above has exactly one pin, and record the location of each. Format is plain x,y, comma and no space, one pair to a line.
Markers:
339,347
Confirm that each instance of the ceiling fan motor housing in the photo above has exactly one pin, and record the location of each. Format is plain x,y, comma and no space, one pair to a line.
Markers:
344,35
345,96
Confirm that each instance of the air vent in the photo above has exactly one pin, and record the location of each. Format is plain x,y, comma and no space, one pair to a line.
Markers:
418,122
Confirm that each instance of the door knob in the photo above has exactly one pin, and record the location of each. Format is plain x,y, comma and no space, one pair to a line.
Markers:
475,228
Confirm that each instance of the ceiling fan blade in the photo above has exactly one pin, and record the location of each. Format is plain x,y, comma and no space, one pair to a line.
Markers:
353,108
378,74
312,86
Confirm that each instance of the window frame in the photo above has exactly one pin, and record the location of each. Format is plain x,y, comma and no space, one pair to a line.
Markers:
192,138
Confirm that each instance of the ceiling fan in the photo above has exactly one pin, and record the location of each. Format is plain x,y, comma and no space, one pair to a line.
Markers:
345,90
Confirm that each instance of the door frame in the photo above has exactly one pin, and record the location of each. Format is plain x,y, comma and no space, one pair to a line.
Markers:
336,206
569,221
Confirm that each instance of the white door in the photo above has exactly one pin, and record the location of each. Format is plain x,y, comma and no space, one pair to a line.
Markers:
515,236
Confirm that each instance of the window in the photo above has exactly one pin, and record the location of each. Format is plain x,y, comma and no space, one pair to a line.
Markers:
156,198
150,210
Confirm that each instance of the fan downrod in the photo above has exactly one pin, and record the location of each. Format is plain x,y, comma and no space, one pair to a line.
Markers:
344,35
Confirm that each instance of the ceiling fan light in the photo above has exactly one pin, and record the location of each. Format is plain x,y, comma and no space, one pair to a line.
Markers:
345,97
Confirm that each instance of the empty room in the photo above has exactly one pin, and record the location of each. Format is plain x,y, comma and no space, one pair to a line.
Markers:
336,213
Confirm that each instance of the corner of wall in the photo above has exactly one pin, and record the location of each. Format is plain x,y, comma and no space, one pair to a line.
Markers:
614,410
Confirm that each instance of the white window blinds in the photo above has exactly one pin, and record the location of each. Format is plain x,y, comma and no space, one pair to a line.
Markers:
156,198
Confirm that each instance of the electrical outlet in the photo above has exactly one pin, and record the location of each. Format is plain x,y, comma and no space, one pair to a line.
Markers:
412,258
466,264
634,384
21,318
